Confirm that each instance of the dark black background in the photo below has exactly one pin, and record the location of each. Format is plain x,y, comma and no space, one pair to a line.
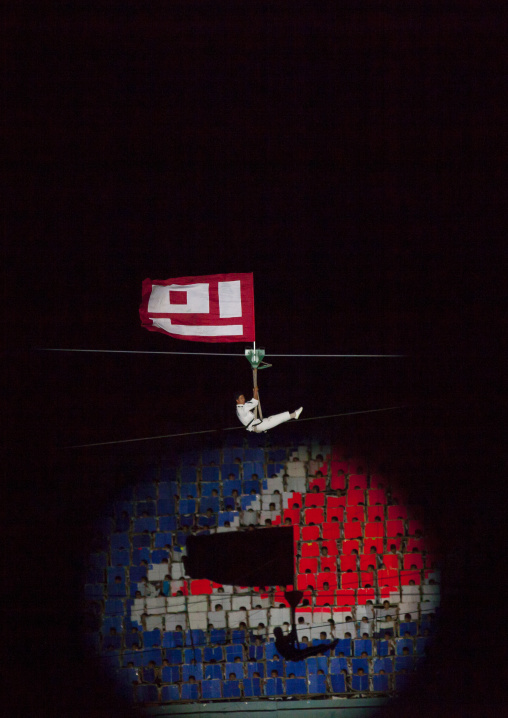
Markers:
351,157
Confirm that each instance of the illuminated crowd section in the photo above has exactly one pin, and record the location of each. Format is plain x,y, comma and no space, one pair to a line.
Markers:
362,559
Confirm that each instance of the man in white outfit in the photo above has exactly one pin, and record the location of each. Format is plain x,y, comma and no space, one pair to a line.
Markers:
244,411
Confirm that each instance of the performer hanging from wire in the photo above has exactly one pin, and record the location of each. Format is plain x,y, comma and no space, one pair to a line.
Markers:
244,411
285,645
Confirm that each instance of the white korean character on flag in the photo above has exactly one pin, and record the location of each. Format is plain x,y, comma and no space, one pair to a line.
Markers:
212,308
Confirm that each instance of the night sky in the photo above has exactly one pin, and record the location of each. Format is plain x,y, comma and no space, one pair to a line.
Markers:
352,160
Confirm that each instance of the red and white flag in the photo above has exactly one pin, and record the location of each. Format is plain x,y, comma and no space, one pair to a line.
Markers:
213,308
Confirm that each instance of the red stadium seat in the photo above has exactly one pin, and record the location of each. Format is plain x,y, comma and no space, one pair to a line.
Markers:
396,512
296,533
333,502
328,562
310,533
376,496
329,578
331,530
296,498
312,499
407,576
331,546
293,514
364,595
375,511
355,512
391,560
430,561
355,497
339,464
374,529
412,559
200,586
338,483
319,481
308,563
368,562
357,481
305,580
377,481
388,578
348,546
310,549
367,578
394,527
324,598
413,543
357,466
337,512
394,541
346,597
348,563
349,580
370,542
314,516
353,530
414,525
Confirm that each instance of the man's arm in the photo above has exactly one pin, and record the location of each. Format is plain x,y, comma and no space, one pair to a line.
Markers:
256,393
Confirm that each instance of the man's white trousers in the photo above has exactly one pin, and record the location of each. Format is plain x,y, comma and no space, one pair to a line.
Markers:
271,421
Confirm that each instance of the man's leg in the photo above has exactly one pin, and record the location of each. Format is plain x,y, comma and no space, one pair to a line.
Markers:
272,421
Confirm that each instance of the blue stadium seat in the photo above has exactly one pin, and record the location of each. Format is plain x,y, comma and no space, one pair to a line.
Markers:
296,667
192,654
207,521
191,458
360,683
421,645
227,469
255,454
189,490
212,653
270,650
167,523
145,507
109,622
120,557
296,686
120,506
362,645
410,626
218,635
117,590
163,538
151,638
174,655
110,661
119,541
338,682
247,501
141,541
277,455
149,674
227,516
168,489
146,490
231,689
274,468
152,654
170,693
136,573
189,670
358,663
320,641
147,694
135,657
133,637
234,651
165,507
210,473
255,667
317,663
187,506
401,681
211,689
317,684
380,683
238,636
190,691
344,646
252,687
404,643
253,467
274,687
383,648
338,664
251,485
196,639
147,523
172,639
188,475
206,489
404,663
158,555
122,524
170,674
213,671
168,474
230,485
210,456
384,664
256,652
231,453
277,665
236,668
140,554
209,502
186,520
